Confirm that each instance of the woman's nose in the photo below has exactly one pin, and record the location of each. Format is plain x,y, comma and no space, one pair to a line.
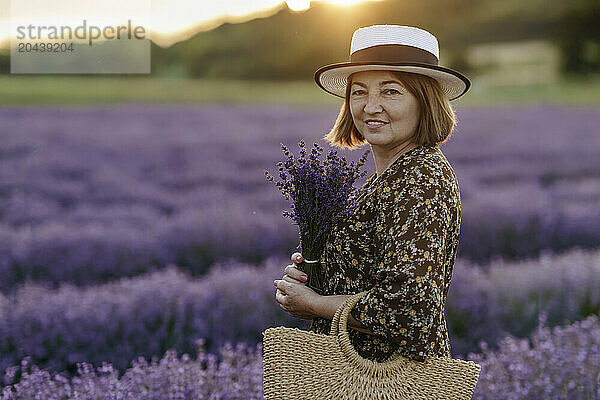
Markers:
373,104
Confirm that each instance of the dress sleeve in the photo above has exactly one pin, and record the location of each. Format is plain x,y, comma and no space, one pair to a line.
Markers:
411,221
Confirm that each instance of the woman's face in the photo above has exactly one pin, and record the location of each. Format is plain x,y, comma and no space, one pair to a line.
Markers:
378,95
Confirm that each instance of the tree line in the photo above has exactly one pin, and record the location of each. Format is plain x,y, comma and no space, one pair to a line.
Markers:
290,46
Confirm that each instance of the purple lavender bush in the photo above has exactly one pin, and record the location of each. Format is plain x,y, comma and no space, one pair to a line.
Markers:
142,316
319,195
236,374
558,364
554,364
147,315
487,302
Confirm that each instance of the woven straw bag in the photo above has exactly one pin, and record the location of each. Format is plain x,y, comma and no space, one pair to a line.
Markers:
303,365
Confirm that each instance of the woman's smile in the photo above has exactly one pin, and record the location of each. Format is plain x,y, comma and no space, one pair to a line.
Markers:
375,125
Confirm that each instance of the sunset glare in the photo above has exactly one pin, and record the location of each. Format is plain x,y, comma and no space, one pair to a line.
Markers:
298,5
345,2
174,19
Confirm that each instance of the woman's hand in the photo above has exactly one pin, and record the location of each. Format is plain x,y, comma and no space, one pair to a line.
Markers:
292,294
292,273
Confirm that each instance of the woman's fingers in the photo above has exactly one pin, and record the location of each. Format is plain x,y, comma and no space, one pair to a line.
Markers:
279,296
292,273
291,280
295,273
297,258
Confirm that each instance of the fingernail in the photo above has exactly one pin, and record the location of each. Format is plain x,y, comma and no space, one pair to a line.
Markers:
304,278
274,283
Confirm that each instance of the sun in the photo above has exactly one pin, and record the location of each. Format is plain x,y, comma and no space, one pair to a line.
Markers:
301,5
298,5
345,2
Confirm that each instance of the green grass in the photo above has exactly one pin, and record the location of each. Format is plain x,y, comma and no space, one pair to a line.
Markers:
574,92
76,90
23,90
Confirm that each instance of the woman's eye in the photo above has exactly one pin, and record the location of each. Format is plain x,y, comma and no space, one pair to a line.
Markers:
387,91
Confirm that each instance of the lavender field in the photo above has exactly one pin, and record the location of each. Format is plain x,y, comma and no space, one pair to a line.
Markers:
548,367
128,231
88,195
550,345
168,309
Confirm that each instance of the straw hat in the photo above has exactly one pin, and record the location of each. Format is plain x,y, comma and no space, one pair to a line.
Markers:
392,48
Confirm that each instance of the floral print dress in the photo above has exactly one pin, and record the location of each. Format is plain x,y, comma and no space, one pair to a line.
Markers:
399,244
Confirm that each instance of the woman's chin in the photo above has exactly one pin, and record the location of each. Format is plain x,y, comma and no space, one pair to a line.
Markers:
375,138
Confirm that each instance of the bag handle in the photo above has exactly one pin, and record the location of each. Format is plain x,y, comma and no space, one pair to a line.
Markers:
339,328
346,304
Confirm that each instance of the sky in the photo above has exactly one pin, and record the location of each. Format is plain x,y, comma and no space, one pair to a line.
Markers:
171,20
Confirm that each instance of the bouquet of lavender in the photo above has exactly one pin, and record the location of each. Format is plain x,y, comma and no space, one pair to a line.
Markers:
319,194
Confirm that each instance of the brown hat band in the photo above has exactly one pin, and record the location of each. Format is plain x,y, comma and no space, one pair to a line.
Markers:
393,54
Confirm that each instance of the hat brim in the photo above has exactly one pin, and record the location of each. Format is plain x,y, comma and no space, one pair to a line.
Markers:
333,78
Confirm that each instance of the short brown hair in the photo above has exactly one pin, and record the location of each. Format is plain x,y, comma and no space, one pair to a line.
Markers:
434,127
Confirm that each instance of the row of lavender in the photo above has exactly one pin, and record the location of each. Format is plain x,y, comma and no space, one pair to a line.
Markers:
90,195
147,315
560,363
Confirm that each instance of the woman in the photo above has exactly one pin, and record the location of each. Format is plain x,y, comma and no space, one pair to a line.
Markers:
400,242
